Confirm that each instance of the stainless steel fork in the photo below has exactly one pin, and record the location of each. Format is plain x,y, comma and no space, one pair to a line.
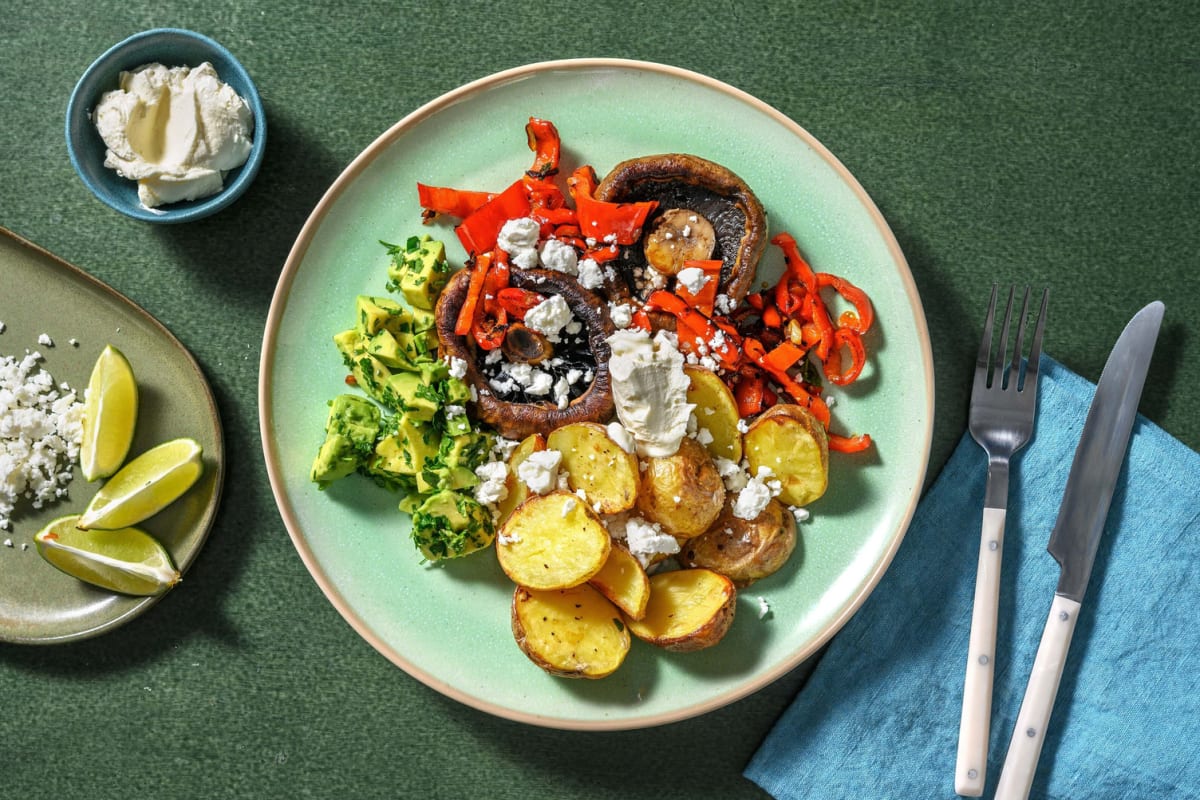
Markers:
1003,403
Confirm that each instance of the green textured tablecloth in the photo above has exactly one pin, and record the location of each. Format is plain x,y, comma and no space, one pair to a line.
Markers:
1054,145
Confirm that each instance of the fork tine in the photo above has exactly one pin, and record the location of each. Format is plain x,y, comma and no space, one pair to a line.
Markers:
985,352
1014,374
999,378
1035,350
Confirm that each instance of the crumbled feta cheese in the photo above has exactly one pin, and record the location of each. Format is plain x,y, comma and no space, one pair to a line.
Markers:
453,411
503,447
45,341
457,366
562,392
693,279
755,495
539,470
732,473
549,317
40,429
704,436
801,514
724,304
559,256
645,540
621,314
590,274
764,607
743,426
569,505
491,488
518,234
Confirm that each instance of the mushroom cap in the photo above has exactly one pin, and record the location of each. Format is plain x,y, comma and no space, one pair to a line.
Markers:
517,420
679,180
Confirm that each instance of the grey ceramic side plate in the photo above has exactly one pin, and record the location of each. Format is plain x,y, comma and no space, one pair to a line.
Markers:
41,294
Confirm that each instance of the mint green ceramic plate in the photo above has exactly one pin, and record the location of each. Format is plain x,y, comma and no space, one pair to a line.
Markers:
41,294
448,625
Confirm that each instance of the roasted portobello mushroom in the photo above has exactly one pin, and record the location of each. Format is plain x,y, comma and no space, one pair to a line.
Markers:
516,413
704,212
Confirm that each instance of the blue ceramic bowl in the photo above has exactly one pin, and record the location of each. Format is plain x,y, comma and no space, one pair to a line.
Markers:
172,47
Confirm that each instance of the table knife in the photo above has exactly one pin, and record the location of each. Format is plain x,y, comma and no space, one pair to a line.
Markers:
1076,536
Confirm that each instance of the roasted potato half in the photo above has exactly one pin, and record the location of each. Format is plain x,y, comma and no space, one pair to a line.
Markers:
596,464
744,550
689,609
716,411
623,581
518,492
552,541
572,633
790,441
683,492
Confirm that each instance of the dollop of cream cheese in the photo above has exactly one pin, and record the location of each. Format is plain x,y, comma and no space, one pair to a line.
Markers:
650,390
174,130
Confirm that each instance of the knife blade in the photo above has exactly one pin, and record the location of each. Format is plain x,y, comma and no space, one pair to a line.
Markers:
1076,535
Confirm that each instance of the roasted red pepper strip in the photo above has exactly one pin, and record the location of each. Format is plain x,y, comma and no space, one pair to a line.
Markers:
852,342
864,313
748,392
784,356
599,220
458,203
814,308
704,300
796,265
849,444
695,326
517,302
488,332
470,306
545,143
478,232
758,354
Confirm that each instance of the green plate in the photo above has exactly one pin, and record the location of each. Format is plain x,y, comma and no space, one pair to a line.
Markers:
448,625
40,293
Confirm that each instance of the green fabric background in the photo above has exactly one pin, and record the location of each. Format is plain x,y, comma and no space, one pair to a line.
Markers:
1054,145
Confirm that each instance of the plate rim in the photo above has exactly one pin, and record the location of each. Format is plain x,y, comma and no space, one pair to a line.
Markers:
213,412
279,305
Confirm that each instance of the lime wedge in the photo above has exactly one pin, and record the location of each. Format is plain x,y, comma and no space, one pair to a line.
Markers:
127,560
145,486
109,415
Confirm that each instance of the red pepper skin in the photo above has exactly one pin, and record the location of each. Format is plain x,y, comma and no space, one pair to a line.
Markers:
849,444
478,232
471,305
599,220
852,342
748,393
458,203
693,326
797,267
758,354
864,313
546,145
517,302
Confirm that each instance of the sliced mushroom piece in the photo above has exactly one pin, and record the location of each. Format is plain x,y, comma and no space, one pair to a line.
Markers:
525,345
678,235
517,420
694,186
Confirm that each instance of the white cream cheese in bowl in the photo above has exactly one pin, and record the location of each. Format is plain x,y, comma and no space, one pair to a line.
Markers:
174,130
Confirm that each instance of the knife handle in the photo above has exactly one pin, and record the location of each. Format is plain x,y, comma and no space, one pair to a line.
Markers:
1030,731
970,770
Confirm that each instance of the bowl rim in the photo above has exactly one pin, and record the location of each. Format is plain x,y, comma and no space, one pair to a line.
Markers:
86,93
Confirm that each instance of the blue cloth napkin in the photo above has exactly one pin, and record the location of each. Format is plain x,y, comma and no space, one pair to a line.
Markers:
879,716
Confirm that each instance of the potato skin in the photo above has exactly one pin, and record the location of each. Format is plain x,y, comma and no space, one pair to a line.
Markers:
744,550
683,492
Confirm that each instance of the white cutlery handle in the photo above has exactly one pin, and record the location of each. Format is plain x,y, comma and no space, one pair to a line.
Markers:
1030,731
970,771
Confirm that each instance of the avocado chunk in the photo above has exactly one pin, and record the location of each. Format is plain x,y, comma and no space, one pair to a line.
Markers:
405,451
449,524
410,395
350,431
419,270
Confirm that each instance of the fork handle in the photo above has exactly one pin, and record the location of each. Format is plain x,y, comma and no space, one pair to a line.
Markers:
970,770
